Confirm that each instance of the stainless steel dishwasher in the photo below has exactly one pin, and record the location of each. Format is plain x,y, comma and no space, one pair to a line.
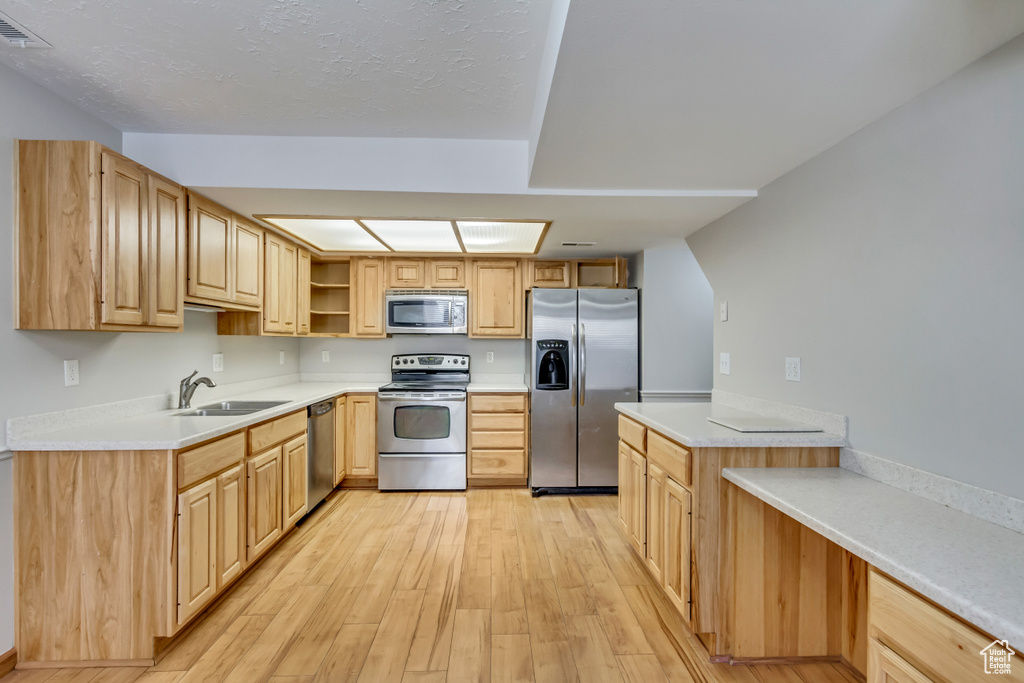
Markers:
320,456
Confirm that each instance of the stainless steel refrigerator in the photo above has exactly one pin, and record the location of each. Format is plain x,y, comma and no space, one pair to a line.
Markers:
582,360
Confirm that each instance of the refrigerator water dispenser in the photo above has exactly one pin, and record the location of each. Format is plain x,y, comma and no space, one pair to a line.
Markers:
552,366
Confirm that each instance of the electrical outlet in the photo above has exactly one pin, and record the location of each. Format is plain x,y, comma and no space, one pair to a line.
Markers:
218,362
723,363
793,369
325,356
723,311
490,356
280,357
71,373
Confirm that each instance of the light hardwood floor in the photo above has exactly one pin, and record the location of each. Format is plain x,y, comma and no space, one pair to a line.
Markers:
488,585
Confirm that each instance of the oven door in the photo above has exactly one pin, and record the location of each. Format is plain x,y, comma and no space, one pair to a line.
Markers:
419,423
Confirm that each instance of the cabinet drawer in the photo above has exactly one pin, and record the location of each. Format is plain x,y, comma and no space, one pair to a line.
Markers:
497,440
498,422
929,638
497,463
269,433
208,459
510,403
633,433
670,456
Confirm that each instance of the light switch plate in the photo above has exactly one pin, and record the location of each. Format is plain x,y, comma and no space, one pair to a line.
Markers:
280,357
793,369
71,373
723,311
218,362
723,363
325,356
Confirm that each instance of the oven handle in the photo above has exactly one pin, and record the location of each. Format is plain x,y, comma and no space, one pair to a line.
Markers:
432,399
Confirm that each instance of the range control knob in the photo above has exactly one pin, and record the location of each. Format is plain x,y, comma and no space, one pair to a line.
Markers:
463,361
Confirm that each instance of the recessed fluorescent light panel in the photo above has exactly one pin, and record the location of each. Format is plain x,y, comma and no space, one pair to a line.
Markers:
501,237
415,235
328,234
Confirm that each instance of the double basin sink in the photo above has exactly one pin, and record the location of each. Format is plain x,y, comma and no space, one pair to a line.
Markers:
228,408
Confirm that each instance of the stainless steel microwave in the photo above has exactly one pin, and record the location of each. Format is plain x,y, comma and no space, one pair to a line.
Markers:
426,311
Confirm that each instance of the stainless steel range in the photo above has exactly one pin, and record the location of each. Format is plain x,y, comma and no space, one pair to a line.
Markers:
421,424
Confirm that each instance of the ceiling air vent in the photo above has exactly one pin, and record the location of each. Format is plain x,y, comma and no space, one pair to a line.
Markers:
16,35
578,244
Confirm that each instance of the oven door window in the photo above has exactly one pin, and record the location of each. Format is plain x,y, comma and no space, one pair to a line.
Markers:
422,422
429,313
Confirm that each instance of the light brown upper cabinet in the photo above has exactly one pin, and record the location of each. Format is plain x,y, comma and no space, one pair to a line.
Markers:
302,292
446,274
550,274
224,256
247,273
406,274
280,297
100,241
368,297
496,298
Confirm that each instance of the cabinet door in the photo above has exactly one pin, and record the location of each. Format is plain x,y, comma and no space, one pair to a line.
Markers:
676,566
361,436
446,274
885,666
638,502
655,520
368,289
124,236
340,422
247,284
167,217
294,485
289,282
302,292
272,313
406,274
625,490
497,300
550,273
210,237
230,525
263,493
197,548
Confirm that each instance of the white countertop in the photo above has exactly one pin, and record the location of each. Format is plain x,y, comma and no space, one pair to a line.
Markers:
165,430
687,424
973,568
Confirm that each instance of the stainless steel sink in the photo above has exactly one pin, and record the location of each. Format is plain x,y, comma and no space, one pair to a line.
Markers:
229,408
251,406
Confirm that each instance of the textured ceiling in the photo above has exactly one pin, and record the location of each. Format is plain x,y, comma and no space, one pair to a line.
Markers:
414,68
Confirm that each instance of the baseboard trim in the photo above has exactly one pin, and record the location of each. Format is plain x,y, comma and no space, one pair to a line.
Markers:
358,483
8,661
496,482
749,661
87,664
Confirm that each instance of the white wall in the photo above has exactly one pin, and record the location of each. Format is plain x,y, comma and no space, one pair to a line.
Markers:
113,366
893,265
676,323
374,355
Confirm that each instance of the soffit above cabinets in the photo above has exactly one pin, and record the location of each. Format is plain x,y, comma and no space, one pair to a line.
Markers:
440,236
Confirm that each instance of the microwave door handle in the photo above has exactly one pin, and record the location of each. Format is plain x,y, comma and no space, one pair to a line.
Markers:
572,366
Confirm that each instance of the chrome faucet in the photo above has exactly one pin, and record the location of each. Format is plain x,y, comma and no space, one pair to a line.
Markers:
188,387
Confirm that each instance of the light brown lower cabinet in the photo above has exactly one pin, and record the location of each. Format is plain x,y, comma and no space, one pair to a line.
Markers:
656,540
230,525
675,527
294,485
638,496
888,667
340,423
263,491
197,548
361,435
498,439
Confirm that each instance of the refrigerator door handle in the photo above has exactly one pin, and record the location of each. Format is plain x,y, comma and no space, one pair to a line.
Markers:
572,366
583,364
